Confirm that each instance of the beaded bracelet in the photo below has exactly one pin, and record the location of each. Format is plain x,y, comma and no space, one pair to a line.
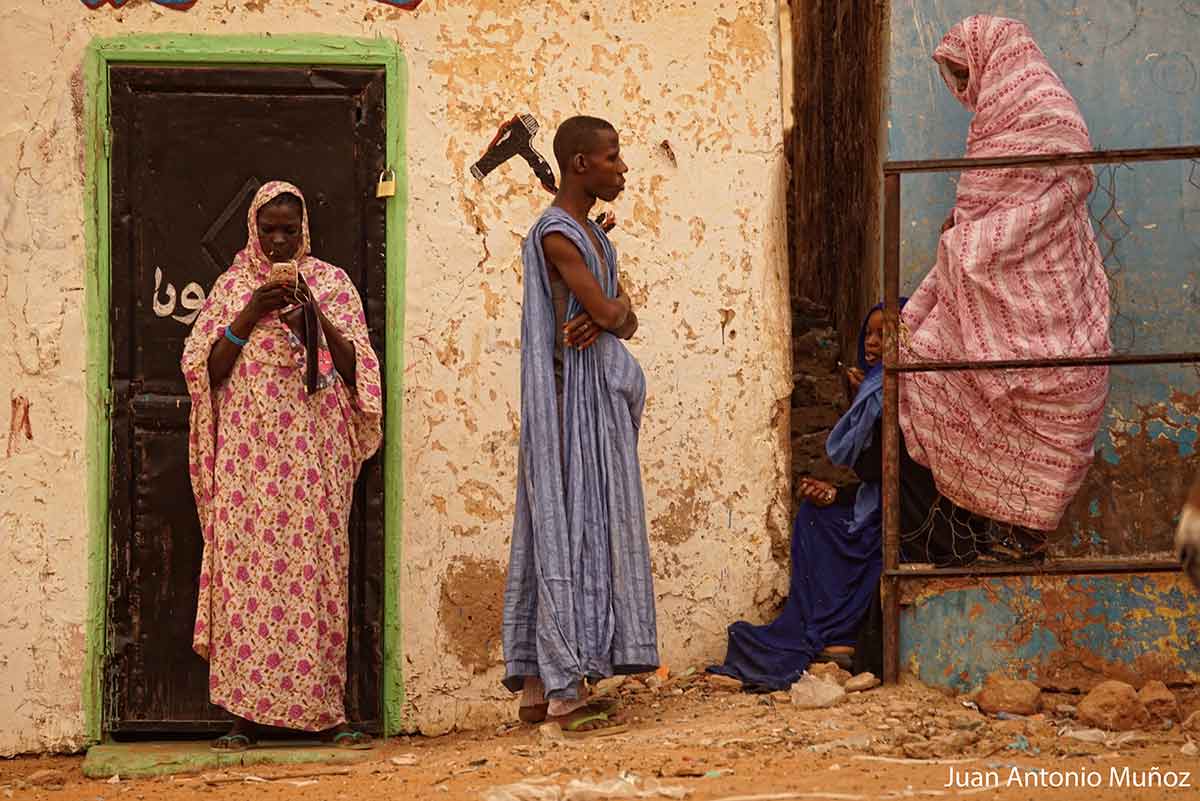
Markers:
234,338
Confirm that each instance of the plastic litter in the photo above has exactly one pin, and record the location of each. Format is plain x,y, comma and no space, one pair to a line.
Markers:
1108,739
1010,716
627,785
811,692
1085,735
1020,743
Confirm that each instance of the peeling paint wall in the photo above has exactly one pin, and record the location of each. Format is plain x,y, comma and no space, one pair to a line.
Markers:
1134,68
703,254
1065,633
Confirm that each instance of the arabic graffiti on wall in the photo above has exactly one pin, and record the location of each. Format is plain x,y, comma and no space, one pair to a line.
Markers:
191,299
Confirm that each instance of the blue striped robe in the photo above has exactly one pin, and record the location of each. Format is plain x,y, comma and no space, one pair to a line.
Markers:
580,598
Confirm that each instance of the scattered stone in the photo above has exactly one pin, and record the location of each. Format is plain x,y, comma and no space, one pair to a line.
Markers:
856,743
1159,701
918,748
609,685
955,742
811,692
829,671
49,779
1189,749
781,696
965,721
1113,706
551,732
861,683
893,721
1066,710
1002,694
727,683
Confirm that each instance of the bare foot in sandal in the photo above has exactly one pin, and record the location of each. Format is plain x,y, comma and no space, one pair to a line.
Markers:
536,713
587,722
242,737
343,736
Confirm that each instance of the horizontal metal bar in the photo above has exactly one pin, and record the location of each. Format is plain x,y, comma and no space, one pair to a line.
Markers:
1047,159
1058,567
1189,357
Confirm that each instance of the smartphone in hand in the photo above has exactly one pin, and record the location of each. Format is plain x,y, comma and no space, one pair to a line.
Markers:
284,272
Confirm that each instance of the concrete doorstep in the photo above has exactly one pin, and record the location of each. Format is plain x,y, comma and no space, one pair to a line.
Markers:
144,759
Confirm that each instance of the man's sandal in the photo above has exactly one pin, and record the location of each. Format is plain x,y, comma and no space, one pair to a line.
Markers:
353,741
231,744
573,730
536,713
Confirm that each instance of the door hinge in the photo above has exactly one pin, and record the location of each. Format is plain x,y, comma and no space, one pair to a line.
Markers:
107,142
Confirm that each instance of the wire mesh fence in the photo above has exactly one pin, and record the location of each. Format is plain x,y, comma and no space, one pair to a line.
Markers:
1013,478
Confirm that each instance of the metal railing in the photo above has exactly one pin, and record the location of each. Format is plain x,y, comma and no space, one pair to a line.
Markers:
893,575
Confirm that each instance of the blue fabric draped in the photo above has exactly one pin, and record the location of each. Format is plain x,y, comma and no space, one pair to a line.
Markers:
836,562
579,600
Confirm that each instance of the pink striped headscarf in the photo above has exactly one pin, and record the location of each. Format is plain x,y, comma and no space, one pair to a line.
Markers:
1018,276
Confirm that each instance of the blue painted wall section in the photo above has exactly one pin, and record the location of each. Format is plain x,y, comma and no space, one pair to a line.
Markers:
1061,632
1134,68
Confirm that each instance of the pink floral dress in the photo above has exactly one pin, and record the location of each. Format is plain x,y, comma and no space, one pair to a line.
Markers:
273,471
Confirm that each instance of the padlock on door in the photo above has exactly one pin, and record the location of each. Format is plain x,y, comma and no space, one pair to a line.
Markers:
387,184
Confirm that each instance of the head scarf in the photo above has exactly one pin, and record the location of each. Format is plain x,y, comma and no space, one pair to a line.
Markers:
255,266
1020,105
253,257
862,336
855,430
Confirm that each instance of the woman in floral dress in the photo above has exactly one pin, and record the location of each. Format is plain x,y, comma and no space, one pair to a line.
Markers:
282,419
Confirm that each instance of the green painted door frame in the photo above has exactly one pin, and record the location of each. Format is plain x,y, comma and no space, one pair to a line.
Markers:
183,50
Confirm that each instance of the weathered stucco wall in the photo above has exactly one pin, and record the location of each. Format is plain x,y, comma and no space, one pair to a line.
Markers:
694,89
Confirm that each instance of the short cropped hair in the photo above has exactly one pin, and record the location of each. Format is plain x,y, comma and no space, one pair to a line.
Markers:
577,135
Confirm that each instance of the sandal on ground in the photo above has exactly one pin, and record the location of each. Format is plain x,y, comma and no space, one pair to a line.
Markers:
572,727
536,713
232,743
352,740
841,659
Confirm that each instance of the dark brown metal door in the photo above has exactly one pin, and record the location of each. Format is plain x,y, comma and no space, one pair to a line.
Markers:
190,146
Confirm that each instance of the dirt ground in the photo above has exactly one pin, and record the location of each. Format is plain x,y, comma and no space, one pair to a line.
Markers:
693,738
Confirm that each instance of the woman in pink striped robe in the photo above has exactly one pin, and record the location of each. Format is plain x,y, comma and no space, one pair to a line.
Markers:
1018,276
